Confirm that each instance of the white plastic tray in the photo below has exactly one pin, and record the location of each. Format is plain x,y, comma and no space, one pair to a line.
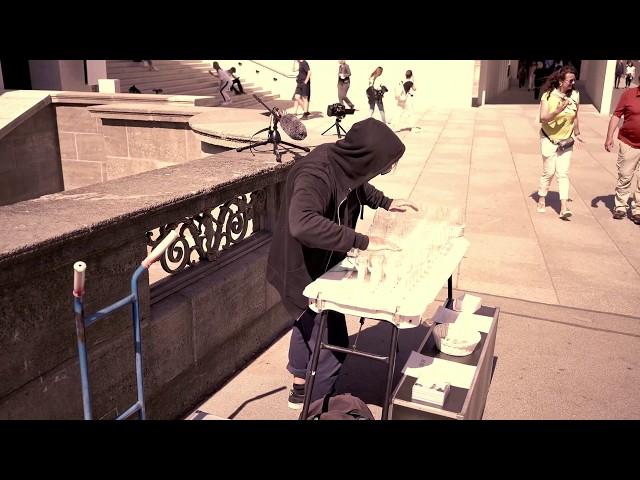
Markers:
339,290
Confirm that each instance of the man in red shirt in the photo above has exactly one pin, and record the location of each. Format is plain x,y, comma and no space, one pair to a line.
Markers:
629,152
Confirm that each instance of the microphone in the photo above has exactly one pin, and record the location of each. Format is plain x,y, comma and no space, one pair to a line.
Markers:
292,126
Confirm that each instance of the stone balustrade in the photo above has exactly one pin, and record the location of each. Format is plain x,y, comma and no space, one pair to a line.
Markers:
200,324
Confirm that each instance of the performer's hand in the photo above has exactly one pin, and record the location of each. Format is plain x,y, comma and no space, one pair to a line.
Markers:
401,205
377,244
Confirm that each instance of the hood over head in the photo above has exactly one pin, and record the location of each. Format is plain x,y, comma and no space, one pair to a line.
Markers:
369,148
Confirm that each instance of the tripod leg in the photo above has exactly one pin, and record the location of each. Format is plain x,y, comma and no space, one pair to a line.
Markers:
328,129
258,144
276,152
340,128
306,149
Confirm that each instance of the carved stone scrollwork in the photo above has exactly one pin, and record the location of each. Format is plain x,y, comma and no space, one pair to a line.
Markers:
206,235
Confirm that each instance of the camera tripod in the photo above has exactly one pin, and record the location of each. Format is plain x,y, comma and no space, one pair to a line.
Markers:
273,135
338,127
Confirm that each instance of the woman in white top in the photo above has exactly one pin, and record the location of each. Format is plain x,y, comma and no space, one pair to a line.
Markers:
631,73
225,82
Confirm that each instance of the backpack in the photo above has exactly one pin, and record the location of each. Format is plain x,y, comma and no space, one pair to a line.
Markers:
341,407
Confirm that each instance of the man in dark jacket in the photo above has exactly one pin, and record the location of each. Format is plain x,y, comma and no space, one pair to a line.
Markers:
324,195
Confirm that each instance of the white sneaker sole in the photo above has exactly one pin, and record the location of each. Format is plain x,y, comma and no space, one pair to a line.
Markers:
295,406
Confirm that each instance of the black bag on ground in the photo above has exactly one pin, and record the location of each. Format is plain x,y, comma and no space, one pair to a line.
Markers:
341,407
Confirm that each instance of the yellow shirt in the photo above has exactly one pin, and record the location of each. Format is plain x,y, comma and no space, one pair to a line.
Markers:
562,124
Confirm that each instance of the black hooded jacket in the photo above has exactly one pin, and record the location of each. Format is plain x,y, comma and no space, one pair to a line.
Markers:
324,194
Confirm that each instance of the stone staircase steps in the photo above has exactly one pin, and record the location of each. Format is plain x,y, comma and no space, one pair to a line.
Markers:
162,65
182,77
134,74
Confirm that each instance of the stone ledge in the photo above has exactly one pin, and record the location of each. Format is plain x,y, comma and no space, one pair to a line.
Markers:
101,98
146,111
143,201
17,106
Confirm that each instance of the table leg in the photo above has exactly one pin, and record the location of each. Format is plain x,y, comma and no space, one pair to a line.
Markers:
449,303
393,349
311,369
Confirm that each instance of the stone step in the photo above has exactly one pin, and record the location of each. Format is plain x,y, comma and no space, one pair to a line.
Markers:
188,82
161,65
160,75
182,77
207,81
126,63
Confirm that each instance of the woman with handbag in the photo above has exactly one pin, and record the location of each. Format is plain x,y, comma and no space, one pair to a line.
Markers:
374,95
559,117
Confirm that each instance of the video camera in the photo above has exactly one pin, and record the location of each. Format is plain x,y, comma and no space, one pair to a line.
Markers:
339,110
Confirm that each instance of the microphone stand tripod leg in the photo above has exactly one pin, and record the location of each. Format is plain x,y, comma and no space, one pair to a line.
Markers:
306,149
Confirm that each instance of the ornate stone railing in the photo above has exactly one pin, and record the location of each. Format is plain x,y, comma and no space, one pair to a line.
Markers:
223,205
206,235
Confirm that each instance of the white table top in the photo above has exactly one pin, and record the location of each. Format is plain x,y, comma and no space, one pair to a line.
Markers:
339,290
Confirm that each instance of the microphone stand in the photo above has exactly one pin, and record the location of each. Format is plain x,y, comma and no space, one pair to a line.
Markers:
273,135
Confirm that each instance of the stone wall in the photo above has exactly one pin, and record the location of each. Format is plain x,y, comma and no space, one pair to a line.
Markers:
210,319
81,146
100,142
30,159
139,137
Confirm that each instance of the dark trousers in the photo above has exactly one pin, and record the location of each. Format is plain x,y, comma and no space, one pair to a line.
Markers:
303,339
627,80
536,92
343,88
618,77
236,86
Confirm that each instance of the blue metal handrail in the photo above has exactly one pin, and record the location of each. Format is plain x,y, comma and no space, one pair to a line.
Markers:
82,323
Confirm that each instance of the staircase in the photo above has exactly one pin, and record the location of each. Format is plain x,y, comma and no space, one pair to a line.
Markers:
182,77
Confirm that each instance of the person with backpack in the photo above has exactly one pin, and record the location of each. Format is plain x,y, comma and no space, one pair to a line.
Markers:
405,97
324,195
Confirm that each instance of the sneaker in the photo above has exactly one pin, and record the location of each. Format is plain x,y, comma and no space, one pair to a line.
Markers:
635,218
305,115
619,214
296,397
566,214
541,208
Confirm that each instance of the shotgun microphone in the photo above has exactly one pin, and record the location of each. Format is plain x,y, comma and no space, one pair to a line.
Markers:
293,127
